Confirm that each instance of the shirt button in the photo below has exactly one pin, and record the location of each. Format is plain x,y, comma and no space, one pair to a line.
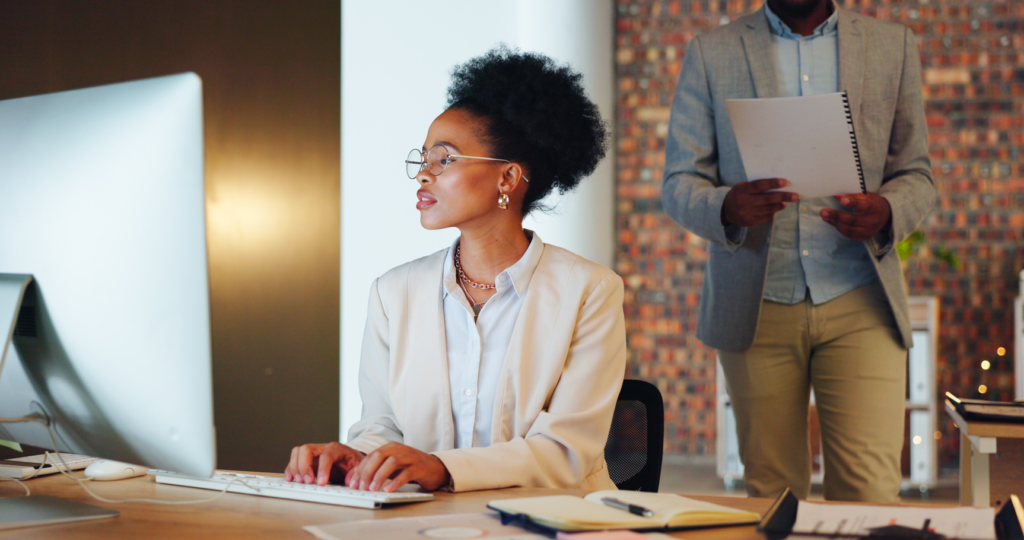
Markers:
502,278
468,392
806,78
805,252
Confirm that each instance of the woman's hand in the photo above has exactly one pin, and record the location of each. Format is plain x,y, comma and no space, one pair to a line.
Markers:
321,463
402,464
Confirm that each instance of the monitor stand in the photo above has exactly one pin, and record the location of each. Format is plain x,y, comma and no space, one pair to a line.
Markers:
12,292
36,509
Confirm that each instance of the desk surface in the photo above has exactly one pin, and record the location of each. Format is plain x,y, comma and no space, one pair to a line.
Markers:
245,516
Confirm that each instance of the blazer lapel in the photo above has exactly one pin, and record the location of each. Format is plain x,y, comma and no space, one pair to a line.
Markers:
529,349
757,43
429,419
851,62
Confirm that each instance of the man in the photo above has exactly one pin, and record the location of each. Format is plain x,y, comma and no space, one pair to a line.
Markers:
802,294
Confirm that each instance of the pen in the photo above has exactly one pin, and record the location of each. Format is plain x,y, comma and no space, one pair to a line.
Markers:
631,508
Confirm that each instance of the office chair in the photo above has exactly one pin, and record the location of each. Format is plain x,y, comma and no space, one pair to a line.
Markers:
634,448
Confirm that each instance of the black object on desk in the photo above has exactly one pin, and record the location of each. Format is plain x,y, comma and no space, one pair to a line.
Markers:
1010,520
778,522
987,411
631,508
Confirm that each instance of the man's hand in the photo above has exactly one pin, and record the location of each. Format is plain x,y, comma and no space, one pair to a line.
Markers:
747,204
872,213
321,463
402,464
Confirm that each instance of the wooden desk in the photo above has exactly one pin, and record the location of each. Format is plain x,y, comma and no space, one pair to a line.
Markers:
246,516
991,461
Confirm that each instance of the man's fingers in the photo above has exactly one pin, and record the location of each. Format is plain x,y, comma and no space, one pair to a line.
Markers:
760,186
853,226
773,198
845,218
850,219
761,215
857,202
764,213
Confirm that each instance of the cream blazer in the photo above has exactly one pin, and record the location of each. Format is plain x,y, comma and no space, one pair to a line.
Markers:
556,393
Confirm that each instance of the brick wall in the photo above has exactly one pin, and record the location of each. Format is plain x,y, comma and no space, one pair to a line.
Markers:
973,68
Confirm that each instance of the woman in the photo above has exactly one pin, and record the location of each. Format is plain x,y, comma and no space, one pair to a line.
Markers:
496,362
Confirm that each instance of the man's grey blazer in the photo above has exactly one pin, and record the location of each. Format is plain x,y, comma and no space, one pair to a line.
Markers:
880,69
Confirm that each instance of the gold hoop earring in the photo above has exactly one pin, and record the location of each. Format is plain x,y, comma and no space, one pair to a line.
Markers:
503,201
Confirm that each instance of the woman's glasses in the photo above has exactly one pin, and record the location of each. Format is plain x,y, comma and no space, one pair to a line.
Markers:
436,160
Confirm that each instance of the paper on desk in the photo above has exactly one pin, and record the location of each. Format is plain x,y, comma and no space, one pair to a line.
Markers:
806,140
13,445
443,526
849,519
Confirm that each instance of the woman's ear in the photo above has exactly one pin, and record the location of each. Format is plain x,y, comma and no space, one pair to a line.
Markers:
511,178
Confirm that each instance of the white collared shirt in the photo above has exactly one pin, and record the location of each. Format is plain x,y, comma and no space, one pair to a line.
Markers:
477,349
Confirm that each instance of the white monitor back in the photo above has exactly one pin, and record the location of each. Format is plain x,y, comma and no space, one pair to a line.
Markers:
102,201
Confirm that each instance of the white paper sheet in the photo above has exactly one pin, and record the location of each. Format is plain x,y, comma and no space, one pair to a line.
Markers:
424,527
850,519
805,140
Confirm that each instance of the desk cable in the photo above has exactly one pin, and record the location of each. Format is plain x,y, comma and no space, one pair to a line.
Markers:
42,418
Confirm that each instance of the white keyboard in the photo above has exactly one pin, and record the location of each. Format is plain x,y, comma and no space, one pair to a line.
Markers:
270,486
21,467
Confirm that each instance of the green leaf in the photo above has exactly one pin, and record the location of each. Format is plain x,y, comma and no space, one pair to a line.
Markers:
910,245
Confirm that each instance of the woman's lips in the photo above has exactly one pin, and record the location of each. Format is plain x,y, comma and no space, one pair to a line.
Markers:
425,200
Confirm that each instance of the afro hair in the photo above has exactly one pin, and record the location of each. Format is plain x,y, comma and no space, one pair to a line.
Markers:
536,113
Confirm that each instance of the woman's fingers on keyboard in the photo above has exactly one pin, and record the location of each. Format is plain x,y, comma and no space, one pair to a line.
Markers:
289,471
325,463
401,464
335,457
368,467
303,467
398,481
391,466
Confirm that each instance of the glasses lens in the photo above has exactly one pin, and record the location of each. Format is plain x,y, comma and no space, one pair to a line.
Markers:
437,159
413,163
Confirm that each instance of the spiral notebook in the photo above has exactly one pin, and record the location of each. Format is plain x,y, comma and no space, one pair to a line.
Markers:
808,140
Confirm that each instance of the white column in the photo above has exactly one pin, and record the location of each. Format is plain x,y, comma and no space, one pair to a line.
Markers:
1018,340
396,58
981,449
580,33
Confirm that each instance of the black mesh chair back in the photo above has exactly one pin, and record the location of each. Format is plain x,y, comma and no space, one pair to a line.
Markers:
634,446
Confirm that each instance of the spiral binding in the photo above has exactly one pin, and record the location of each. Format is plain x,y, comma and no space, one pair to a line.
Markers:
853,140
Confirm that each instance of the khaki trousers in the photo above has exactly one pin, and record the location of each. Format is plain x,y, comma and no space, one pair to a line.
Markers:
849,352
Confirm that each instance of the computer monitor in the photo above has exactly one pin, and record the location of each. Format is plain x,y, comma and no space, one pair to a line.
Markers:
102,203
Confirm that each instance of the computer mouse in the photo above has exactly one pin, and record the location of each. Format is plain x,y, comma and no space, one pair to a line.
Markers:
106,469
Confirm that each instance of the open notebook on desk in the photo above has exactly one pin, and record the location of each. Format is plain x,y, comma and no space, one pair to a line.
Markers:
568,513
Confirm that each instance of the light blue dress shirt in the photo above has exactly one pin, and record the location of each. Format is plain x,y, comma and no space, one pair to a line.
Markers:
807,254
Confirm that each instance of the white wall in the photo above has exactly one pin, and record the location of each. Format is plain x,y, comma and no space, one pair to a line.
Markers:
396,59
